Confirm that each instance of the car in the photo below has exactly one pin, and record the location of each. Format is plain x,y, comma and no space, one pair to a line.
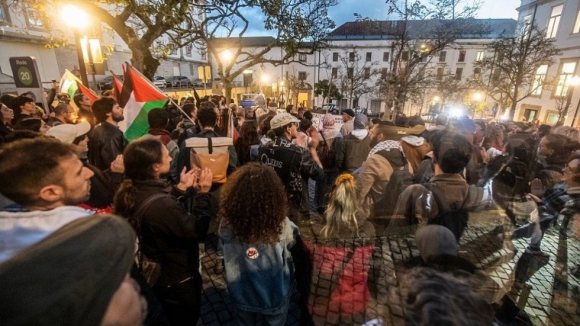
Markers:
198,82
178,81
330,108
107,83
159,81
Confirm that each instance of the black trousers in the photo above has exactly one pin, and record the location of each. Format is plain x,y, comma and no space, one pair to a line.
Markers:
181,301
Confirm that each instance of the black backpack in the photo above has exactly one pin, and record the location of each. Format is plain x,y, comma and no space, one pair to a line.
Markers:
399,181
454,219
326,154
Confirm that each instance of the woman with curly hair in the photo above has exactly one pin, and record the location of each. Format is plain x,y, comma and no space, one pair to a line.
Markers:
257,237
341,252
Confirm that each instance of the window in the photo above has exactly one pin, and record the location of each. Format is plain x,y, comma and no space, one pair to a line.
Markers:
33,18
367,73
386,56
495,75
349,72
369,56
566,74
302,57
476,73
462,56
302,75
440,72
480,55
442,56
554,21
458,73
351,56
3,13
539,79
188,50
191,69
174,49
334,73
335,56
526,24
405,56
576,25
384,73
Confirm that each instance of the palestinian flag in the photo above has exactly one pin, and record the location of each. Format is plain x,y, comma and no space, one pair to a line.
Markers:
144,97
118,88
87,91
68,83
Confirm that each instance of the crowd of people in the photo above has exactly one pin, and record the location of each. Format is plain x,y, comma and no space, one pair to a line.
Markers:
98,231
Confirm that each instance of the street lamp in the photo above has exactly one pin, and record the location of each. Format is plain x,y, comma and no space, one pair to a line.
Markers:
77,19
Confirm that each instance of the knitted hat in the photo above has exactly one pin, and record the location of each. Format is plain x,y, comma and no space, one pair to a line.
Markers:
69,277
361,121
433,240
349,112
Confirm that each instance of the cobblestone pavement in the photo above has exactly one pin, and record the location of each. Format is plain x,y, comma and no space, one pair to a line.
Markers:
540,285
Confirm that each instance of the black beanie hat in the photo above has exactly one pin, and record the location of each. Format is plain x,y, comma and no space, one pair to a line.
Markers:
69,277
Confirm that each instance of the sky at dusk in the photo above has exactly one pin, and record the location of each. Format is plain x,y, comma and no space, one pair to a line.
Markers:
376,9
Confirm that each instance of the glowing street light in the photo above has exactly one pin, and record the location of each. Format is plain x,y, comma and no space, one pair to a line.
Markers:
265,79
436,99
477,96
77,19
226,56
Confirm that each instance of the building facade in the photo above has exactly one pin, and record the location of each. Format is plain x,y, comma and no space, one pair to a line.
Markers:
561,21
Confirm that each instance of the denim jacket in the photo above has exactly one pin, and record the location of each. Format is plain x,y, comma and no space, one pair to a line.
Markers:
260,276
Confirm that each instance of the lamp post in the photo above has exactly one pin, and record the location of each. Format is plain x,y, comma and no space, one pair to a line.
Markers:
477,97
263,80
77,19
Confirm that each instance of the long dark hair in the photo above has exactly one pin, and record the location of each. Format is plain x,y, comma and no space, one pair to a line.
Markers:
139,158
248,137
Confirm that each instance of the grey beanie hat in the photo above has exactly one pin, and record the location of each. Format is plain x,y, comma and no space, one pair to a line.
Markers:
361,121
433,240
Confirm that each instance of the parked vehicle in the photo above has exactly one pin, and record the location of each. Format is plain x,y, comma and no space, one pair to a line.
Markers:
159,81
107,83
248,100
178,81
331,108
198,82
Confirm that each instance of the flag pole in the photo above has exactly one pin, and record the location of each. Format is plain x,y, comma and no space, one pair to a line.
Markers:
180,109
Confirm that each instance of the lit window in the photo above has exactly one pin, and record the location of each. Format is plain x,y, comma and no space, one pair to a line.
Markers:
476,73
539,79
566,74
480,55
554,21
577,24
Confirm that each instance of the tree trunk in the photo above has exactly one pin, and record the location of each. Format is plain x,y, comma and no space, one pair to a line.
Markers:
227,90
143,60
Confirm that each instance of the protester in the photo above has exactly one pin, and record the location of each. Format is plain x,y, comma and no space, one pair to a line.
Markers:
43,195
6,117
354,147
107,140
167,233
44,284
348,120
257,260
293,164
32,124
247,138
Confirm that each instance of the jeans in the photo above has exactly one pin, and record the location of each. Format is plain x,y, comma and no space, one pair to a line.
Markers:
246,318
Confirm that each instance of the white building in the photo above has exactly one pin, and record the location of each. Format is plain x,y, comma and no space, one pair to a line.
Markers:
359,48
561,20
22,34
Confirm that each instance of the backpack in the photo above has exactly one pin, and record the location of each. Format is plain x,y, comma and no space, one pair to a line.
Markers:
326,153
454,219
399,181
212,153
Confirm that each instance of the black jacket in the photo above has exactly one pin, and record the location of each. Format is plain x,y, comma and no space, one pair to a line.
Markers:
170,234
105,144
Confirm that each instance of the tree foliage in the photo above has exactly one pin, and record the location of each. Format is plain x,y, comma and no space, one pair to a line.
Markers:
328,90
140,23
425,28
510,73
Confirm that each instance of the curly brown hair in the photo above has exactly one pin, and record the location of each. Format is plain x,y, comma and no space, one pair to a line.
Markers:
253,202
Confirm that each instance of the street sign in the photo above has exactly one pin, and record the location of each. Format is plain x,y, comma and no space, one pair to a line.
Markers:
27,80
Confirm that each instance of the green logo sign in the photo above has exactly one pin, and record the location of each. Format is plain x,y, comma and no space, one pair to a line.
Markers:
25,76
